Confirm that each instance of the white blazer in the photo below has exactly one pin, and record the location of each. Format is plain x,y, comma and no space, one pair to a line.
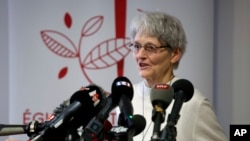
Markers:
197,121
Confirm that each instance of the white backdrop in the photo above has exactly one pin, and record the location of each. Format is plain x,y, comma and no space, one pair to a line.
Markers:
35,88
4,65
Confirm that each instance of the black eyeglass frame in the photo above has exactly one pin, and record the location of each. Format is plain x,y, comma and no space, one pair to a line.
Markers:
153,48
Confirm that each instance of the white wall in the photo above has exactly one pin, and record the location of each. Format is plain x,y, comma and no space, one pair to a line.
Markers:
223,52
241,61
232,57
4,64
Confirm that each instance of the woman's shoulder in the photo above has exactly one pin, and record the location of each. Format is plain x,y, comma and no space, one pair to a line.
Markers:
197,98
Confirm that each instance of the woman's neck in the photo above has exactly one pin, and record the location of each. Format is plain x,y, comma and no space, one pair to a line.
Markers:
151,82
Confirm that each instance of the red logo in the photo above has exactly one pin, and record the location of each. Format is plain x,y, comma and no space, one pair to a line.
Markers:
109,52
162,86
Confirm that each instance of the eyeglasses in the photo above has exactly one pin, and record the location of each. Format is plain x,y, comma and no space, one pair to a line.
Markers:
149,48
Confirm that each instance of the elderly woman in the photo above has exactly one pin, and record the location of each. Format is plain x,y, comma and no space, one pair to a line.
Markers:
158,42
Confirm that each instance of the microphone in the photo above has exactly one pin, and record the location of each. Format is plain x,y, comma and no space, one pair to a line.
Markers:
6,130
183,92
161,96
95,126
122,133
123,88
106,126
139,124
84,104
30,129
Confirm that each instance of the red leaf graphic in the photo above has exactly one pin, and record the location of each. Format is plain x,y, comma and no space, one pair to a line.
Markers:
107,53
92,26
67,20
62,72
53,40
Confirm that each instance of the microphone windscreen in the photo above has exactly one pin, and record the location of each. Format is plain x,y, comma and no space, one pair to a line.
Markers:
139,124
92,99
185,86
122,85
161,94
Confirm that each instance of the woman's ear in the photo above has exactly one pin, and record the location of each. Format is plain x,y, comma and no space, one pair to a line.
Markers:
176,55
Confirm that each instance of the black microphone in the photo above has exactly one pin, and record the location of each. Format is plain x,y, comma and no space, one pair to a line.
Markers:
84,105
139,124
95,126
121,133
183,92
123,88
96,131
161,96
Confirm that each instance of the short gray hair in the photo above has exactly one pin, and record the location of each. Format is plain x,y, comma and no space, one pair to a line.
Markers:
166,28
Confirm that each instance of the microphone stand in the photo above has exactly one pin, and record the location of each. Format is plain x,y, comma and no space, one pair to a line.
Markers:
169,132
157,116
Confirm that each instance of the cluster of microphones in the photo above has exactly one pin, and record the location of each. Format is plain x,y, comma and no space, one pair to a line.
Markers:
88,109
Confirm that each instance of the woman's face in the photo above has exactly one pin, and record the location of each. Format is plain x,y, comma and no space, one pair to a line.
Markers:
153,66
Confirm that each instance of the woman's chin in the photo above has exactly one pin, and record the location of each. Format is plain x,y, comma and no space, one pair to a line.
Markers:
144,74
